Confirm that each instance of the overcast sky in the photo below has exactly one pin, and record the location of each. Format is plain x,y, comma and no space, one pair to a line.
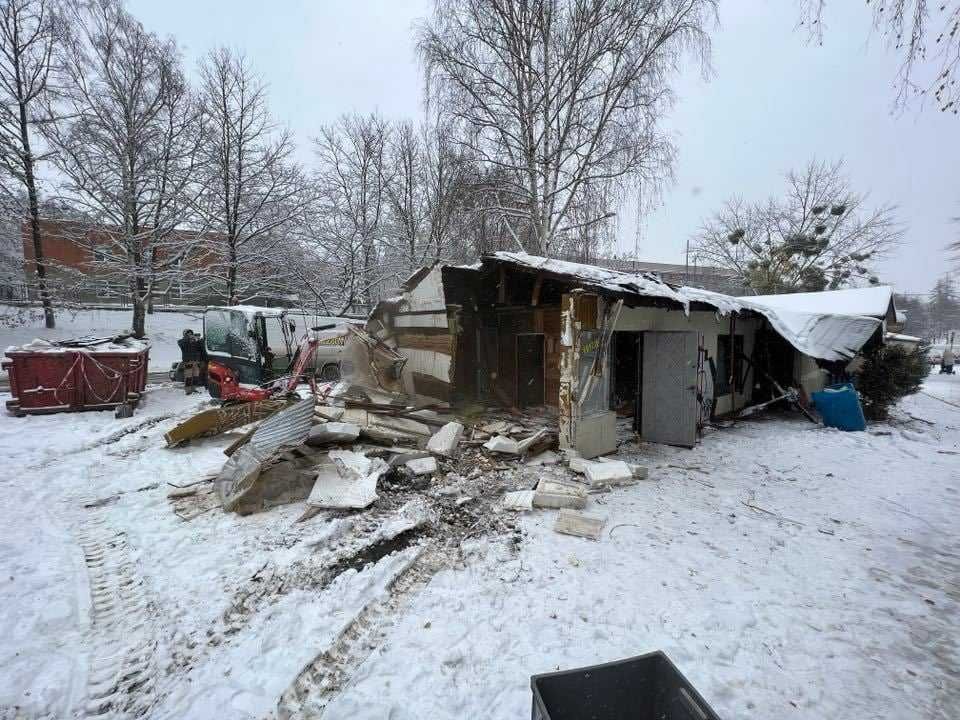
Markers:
772,103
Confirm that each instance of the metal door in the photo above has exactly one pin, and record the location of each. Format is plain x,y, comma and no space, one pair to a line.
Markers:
670,408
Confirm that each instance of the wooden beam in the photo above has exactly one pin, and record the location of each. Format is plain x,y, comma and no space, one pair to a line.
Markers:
535,300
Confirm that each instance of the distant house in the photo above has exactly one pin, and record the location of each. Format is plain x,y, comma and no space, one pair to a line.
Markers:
75,251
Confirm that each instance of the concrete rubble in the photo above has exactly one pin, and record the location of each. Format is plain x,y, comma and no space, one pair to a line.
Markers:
422,466
329,433
559,494
355,448
446,440
570,522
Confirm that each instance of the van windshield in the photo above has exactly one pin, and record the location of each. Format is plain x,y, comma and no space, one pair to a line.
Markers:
226,333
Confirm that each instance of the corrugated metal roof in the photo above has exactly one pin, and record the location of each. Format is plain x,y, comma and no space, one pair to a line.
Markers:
287,428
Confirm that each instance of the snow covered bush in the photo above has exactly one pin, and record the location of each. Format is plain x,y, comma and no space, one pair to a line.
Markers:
889,373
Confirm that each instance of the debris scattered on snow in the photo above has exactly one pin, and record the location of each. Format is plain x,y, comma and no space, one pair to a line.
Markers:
547,457
570,522
611,472
332,432
518,500
446,439
502,444
559,494
348,481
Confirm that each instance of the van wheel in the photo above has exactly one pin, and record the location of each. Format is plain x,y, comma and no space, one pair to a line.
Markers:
330,373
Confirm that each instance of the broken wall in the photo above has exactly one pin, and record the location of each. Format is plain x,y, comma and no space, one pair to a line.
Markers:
419,327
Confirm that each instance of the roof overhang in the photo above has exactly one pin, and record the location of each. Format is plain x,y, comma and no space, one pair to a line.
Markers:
823,335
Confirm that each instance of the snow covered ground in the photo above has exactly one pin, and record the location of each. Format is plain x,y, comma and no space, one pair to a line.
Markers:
20,326
835,595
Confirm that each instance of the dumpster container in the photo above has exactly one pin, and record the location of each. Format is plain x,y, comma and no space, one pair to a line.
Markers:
839,406
646,687
70,376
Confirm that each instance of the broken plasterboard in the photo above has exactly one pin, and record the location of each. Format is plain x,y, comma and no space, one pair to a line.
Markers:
349,481
570,522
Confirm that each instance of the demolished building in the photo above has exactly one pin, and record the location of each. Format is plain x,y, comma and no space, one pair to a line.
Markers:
587,343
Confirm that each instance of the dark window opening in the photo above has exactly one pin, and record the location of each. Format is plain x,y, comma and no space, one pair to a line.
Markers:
724,370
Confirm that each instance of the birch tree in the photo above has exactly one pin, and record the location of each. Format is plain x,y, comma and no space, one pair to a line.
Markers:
125,145
252,188
29,32
558,96
926,36
821,234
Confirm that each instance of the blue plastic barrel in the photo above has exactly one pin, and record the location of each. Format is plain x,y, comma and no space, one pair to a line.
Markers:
839,406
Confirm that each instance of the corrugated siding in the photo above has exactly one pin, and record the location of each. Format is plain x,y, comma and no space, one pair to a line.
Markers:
289,427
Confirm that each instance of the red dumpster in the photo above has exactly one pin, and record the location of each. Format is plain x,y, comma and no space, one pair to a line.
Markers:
73,375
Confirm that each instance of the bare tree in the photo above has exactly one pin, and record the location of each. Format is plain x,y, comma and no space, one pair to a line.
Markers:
820,235
555,97
252,189
447,171
925,34
29,31
405,190
351,182
126,143
426,180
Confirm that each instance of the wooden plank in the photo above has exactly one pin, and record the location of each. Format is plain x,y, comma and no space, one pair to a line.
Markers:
439,342
430,386
535,299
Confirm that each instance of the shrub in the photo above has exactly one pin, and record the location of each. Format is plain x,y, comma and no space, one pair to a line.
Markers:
888,374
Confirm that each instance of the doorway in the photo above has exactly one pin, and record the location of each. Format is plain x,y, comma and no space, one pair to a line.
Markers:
530,370
625,367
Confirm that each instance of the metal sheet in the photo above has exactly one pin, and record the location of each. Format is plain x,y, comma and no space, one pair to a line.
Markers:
287,428
670,410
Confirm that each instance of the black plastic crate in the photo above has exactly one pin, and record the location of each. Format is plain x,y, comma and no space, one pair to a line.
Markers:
646,687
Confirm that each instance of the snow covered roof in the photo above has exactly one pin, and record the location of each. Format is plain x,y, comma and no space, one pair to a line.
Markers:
875,301
821,333
251,310
900,337
117,344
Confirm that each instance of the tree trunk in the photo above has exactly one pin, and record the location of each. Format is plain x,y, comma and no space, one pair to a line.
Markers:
38,262
139,316
139,297
232,274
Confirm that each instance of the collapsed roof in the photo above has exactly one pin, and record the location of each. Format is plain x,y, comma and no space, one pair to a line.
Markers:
814,331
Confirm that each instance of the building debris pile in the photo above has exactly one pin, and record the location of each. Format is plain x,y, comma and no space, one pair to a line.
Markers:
351,448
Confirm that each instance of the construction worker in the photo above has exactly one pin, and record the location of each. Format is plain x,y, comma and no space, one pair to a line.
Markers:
193,357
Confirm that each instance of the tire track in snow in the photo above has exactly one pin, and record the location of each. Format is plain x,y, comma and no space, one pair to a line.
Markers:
321,681
122,669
